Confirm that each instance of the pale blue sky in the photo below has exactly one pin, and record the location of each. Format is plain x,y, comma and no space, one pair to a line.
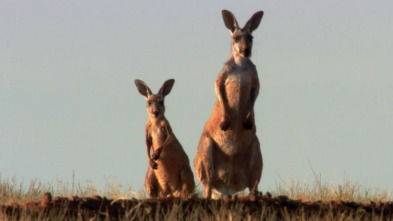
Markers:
68,100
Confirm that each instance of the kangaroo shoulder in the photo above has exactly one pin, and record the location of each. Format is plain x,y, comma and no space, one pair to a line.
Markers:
252,67
148,126
164,123
229,66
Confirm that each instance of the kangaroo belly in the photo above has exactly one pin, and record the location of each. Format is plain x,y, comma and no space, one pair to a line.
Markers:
228,142
172,160
233,142
167,176
231,177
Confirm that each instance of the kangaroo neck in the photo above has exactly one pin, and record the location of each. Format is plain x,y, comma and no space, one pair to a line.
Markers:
156,120
239,60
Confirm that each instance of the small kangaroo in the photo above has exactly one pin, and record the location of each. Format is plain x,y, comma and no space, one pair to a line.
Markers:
169,172
229,158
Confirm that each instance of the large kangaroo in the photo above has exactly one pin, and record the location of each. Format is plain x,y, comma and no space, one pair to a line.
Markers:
229,158
169,171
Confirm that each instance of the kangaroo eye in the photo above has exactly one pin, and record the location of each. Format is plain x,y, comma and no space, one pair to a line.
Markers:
237,38
149,103
161,103
249,37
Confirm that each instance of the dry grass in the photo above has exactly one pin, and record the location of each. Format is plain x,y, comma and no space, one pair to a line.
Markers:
320,190
14,191
348,191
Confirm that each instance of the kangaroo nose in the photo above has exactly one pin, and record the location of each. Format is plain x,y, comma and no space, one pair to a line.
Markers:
156,113
247,52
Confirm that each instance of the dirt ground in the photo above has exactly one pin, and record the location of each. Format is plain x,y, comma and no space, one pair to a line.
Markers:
99,208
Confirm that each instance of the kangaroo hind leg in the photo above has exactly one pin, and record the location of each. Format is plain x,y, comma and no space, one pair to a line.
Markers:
187,182
151,183
256,165
203,163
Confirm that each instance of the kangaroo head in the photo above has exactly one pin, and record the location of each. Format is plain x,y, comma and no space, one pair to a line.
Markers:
241,37
155,102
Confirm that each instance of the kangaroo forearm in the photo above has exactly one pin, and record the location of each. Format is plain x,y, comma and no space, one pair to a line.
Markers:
148,147
221,93
168,140
148,151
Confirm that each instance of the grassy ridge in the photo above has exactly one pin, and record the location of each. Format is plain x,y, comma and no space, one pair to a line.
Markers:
293,201
14,191
348,191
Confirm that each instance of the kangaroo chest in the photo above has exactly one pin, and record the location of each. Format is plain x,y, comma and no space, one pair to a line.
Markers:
238,88
158,135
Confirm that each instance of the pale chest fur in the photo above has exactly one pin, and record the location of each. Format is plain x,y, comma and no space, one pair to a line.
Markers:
158,135
238,87
239,74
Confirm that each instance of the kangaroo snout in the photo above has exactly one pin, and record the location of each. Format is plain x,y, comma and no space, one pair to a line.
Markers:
246,52
242,43
156,113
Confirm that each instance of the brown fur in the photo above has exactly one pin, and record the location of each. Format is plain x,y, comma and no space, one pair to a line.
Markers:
169,172
229,159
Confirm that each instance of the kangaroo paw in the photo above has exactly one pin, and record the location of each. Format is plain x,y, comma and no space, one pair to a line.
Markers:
156,155
224,125
153,164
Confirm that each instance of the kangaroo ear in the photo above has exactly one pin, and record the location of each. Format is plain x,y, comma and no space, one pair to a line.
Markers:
229,20
142,88
254,21
166,87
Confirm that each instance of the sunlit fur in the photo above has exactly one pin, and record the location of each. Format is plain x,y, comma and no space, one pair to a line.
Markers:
229,159
169,172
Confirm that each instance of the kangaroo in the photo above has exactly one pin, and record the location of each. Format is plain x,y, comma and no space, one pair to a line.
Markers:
229,158
169,172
